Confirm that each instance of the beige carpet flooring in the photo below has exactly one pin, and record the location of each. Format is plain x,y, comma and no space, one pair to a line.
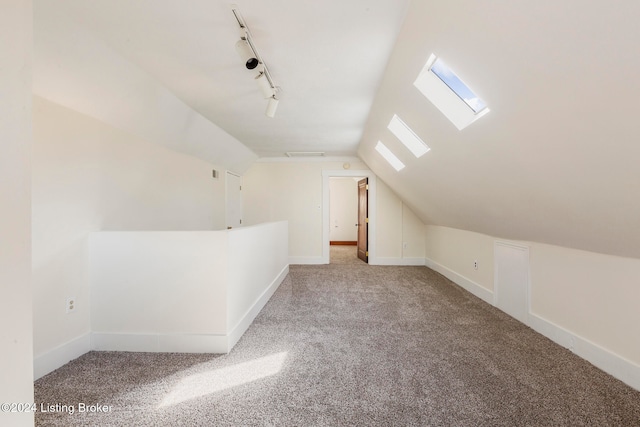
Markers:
352,345
343,254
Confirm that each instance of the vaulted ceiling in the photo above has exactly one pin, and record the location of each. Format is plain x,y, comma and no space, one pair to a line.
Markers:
554,161
327,57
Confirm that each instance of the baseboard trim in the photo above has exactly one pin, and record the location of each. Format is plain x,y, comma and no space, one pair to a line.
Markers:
241,327
61,355
343,243
160,343
397,261
301,260
471,286
611,363
186,343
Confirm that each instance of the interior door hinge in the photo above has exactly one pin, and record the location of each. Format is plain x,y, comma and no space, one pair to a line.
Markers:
240,221
367,187
366,220
241,188
367,253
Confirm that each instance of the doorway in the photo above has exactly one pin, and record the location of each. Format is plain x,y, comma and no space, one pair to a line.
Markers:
326,224
344,224
234,200
363,219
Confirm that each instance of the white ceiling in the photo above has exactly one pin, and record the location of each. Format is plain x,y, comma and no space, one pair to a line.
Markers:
557,158
328,58
555,161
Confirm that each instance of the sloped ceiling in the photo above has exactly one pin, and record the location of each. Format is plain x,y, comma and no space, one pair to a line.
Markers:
557,158
554,161
130,63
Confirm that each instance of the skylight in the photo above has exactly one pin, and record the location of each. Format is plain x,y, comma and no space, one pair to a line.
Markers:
389,156
440,85
407,136
444,73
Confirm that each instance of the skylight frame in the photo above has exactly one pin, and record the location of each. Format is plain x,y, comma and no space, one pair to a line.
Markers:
444,98
388,155
442,71
408,137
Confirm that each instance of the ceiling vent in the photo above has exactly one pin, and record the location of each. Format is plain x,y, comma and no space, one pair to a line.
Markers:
305,153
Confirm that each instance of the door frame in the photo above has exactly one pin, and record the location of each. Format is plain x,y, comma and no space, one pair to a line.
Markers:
227,219
326,225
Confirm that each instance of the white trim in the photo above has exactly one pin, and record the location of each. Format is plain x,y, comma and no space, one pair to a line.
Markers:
187,343
613,364
159,343
305,260
468,284
326,174
61,355
241,327
399,261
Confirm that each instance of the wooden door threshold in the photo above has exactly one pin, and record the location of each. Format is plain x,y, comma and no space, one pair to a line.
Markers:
343,243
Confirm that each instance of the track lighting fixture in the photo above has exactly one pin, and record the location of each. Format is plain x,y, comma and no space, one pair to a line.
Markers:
272,106
252,61
263,83
243,48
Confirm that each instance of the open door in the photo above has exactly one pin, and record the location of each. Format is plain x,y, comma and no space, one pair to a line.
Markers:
234,201
363,220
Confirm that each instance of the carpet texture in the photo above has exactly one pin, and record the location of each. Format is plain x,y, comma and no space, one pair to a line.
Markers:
343,254
352,345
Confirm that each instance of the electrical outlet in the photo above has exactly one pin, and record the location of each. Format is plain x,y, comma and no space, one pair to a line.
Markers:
71,305
475,264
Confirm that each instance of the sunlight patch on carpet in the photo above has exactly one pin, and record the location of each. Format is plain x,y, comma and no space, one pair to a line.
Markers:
205,383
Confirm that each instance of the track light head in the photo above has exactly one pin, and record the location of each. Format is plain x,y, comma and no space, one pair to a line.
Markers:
247,54
272,106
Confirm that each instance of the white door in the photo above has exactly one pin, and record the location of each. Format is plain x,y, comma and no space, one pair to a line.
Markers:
511,290
234,200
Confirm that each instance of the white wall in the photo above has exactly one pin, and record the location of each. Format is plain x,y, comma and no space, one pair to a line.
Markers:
16,369
343,209
184,291
156,283
399,230
585,301
290,190
74,68
258,262
89,176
